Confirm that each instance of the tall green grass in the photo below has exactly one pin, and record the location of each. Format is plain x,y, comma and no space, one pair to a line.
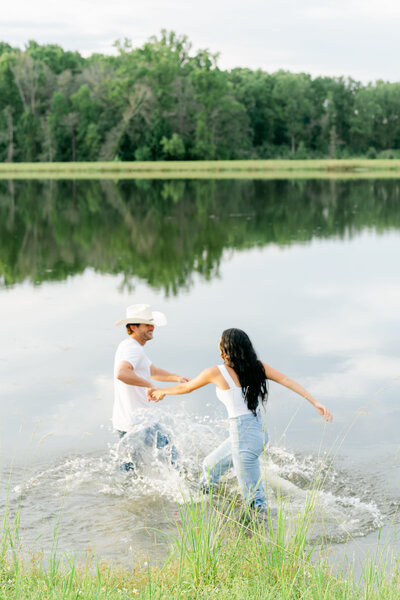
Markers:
219,550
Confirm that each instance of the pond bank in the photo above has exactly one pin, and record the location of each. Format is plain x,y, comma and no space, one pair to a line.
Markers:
234,169
217,553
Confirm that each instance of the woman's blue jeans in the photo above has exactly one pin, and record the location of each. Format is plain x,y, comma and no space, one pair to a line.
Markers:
247,440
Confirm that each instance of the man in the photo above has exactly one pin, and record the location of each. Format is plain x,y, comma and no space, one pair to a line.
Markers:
132,373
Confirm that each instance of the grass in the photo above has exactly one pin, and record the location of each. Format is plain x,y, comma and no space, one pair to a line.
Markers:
233,169
219,551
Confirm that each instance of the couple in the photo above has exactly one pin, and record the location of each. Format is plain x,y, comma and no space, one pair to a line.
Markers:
241,385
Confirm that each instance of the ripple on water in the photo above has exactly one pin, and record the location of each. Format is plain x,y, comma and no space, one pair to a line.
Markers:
86,501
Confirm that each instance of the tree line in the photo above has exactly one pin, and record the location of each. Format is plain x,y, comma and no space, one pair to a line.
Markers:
163,101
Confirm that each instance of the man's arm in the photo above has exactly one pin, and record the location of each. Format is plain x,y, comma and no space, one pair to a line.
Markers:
162,375
125,372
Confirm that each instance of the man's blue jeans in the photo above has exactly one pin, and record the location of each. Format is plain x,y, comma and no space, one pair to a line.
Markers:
247,440
152,437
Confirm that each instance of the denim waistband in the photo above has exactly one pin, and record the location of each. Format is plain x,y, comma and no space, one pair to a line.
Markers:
245,418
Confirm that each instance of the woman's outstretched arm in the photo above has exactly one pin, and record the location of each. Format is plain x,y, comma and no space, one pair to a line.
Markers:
275,375
207,376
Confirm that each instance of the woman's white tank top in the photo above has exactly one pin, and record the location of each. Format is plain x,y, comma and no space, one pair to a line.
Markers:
232,398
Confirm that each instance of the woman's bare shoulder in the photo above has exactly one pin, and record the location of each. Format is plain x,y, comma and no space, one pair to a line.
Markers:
212,371
272,373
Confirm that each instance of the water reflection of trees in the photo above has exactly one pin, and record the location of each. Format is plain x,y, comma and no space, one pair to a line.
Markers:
163,232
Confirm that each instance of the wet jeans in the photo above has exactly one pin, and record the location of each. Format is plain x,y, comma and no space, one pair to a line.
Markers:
247,440
154,437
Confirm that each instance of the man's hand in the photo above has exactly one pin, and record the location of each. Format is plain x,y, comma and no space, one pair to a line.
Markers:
155,394
183,379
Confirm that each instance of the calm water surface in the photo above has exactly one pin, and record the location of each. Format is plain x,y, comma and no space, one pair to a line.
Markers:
308,268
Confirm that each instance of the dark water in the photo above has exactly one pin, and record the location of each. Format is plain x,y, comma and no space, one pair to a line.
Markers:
308,268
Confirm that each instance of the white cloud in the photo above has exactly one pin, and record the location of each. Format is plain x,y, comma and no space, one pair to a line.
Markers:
333,38
361,9
383,10
324,12
324,338
81,414
363,377
354,319
352,330
383,300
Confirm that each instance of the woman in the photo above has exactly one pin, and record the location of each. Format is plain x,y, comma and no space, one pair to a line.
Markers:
241,384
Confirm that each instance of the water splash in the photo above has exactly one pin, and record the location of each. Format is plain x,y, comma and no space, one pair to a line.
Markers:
346,505
97,504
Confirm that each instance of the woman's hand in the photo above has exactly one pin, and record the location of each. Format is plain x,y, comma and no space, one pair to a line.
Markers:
324,412
155,394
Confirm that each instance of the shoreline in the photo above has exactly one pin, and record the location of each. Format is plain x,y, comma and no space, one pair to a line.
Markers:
217,553
235,169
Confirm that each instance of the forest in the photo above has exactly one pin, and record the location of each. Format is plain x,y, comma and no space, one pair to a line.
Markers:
164,101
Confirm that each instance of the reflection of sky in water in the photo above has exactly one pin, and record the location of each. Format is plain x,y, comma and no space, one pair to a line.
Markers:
326,313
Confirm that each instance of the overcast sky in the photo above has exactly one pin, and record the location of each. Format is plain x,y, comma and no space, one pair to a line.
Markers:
358,38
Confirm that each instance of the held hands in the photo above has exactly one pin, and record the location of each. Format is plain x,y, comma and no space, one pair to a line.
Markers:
324,412
155,394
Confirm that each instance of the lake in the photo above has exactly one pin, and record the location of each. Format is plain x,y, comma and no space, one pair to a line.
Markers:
308,268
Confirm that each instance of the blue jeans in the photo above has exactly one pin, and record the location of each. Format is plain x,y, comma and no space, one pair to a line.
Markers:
152,436
247,440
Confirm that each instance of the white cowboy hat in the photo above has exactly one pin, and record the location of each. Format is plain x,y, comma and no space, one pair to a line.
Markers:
142,313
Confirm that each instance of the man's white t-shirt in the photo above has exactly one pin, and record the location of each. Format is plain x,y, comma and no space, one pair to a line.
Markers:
130,398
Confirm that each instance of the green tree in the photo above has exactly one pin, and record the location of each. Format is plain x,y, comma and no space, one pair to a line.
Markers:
366,112
387,123
164,101
254,91
292,95
222,126
173,147
56,59
86,111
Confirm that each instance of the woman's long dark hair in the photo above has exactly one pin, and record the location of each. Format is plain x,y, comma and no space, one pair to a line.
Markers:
238,352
